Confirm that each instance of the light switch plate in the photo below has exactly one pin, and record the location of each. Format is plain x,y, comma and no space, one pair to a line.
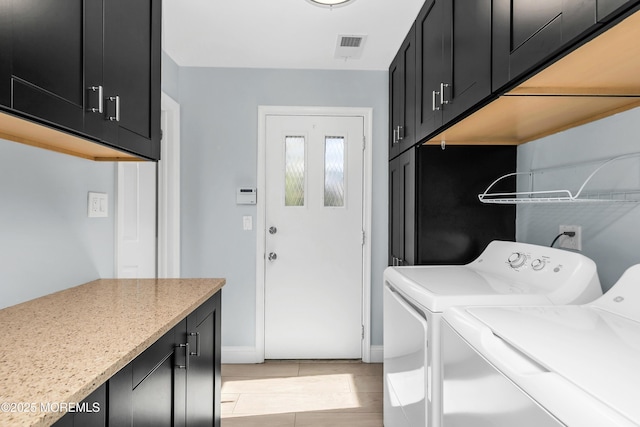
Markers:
98,205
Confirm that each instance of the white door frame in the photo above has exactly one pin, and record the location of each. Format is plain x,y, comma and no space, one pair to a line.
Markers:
168,195
169,191
366,114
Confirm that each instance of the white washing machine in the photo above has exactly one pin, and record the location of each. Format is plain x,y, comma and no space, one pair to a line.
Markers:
547,365
506,273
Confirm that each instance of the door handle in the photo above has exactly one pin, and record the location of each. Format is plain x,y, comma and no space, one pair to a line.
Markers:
115,99
272,256
442,100
273,230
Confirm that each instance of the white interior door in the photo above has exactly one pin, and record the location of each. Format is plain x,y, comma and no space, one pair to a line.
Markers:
136,220
314,237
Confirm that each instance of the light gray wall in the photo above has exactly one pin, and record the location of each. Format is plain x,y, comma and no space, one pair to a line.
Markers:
611,232
47,243
219,120
170,76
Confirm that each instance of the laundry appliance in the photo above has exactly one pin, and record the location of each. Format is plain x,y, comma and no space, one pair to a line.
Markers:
543,366
506,273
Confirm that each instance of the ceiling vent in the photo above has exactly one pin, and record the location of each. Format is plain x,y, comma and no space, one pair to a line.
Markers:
350,46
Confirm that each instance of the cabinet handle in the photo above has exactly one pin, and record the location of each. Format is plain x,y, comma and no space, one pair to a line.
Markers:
115,118
442,86
197,352
400,133
433,100
100,99
186,356
395,136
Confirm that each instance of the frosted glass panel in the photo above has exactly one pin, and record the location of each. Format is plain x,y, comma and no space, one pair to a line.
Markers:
294,171
334,171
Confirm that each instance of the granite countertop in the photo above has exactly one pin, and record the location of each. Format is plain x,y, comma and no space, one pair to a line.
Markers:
61,347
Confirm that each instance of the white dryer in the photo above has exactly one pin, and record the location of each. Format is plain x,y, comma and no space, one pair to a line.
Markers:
506,273
543,366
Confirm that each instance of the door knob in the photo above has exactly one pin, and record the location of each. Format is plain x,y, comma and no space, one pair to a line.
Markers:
272,256
273,230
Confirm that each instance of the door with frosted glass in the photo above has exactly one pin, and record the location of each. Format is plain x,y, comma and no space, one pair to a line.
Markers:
314,237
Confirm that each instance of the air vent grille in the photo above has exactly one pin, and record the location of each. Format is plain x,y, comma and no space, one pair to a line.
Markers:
348,41
350,46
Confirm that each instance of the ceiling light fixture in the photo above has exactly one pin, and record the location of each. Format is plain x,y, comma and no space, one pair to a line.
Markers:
330,3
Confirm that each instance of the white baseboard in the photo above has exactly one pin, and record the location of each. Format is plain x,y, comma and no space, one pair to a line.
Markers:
249,355
239,355
376,354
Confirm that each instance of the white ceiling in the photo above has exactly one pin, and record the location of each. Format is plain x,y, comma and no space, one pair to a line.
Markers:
283,33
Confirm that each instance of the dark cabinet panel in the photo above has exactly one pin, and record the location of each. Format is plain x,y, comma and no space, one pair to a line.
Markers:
607,9
132,75
91,413
467,56
402,208
526,33
47,60
5,52
402,84
430,67
435,214
453,61
203,376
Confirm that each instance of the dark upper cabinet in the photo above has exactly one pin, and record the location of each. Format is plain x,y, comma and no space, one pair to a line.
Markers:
132,75
435,216
45,66
402,83
453,61
429,66
526,33
87,67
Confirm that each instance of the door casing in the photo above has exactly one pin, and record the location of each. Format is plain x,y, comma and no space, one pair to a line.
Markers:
366,114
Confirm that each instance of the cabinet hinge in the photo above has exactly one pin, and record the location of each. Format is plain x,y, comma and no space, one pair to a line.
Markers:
161,135
363,237
364,142
362,331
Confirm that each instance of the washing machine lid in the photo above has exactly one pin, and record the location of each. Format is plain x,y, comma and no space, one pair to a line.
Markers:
594,349
437,288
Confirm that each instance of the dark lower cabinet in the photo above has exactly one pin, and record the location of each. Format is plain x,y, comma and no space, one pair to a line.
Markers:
174,383
527,33
607,9
435,214
92,411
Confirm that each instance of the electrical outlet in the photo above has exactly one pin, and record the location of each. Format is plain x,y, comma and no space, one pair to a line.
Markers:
569,242
98,205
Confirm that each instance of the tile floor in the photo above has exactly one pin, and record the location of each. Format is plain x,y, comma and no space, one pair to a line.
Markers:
302,394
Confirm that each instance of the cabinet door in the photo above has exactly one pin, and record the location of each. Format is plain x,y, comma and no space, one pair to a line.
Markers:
402,81
5,52
47,58
143,392
92,411
203,375
609,8
132,75
527,33
402,209
430,68
467,56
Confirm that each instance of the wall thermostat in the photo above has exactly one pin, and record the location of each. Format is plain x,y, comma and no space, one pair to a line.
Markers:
246,196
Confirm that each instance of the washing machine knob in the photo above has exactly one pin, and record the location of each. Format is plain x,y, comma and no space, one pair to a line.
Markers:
538,264
517,259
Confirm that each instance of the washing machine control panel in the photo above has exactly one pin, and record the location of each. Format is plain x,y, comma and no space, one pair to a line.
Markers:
525,260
